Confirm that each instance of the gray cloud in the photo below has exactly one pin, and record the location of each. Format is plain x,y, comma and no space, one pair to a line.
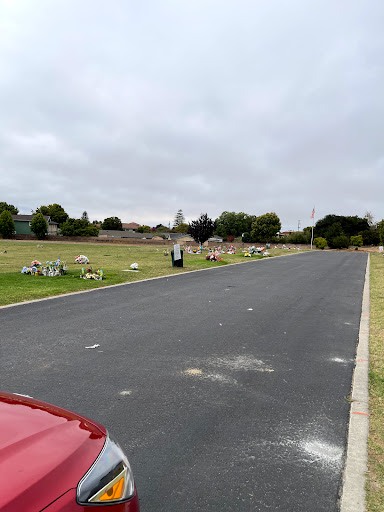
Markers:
139,110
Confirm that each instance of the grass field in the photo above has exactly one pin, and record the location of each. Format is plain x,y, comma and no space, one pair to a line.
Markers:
375,480
112,259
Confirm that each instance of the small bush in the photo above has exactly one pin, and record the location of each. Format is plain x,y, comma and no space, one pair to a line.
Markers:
320,242
357,240
339,242
246,238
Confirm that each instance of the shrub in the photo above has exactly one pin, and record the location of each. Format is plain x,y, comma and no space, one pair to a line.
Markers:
339,242
320,242
357,240
246,238
299,237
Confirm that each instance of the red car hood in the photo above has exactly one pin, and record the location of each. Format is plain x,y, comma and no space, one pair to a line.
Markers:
44,451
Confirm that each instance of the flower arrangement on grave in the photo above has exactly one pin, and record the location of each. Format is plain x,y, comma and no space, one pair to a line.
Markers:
166,252
90,274
51,268
83,260
214,256
31,271
231,249
54,268
247,255
134,266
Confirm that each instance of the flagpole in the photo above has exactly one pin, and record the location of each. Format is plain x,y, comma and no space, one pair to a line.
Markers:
313,223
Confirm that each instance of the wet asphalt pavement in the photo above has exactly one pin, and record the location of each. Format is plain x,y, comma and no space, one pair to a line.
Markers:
226,387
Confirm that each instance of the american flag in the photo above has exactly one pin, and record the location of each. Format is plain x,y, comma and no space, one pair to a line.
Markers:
313,214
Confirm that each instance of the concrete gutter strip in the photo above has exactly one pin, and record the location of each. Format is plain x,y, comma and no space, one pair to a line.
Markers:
353,490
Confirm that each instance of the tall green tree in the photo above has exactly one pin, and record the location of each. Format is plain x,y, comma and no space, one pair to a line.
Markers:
234,224
8,207
265,227
179,218
55,211
7,226
202,228
380,227
112,223
39,226
350,225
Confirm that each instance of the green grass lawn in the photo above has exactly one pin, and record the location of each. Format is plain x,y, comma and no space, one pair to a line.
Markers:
375,479
112,259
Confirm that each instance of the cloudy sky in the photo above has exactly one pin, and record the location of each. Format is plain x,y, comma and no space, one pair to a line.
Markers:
138,109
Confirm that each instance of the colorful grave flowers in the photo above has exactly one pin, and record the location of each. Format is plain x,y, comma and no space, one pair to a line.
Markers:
83,260
134,266
90,274
214,256
51,268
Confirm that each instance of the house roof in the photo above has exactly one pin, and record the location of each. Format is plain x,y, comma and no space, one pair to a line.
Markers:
112,233
130,225
28,218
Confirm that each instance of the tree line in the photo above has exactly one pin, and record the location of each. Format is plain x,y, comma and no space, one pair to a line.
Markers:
336,231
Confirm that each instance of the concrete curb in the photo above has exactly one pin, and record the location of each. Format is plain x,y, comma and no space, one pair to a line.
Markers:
353,489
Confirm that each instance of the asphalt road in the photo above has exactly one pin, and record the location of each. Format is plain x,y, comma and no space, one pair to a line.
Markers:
226,387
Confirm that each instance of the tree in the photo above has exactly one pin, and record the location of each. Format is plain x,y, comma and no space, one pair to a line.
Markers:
380,227
246,237
369,217
7,226
112,223
179,218
350,226
201,229
299,237
55,211
160,228
39,226
181,228
78,227
235,224
143,229
339,242
84,216
8,207
265,227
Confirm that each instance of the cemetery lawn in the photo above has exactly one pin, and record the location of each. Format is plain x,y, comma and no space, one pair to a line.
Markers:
375,476
112,259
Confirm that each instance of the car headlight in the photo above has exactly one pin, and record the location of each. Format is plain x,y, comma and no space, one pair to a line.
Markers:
110,478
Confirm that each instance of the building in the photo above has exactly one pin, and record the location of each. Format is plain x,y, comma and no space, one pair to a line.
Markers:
23,225
131,226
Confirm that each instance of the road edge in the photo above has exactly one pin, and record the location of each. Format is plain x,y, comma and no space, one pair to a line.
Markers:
355,469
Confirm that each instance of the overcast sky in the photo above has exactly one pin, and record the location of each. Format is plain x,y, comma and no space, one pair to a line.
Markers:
139,109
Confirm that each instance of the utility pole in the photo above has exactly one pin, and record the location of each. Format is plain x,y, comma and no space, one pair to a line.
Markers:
298,225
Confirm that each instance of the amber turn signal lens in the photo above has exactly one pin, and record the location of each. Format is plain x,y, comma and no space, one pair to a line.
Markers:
115,492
